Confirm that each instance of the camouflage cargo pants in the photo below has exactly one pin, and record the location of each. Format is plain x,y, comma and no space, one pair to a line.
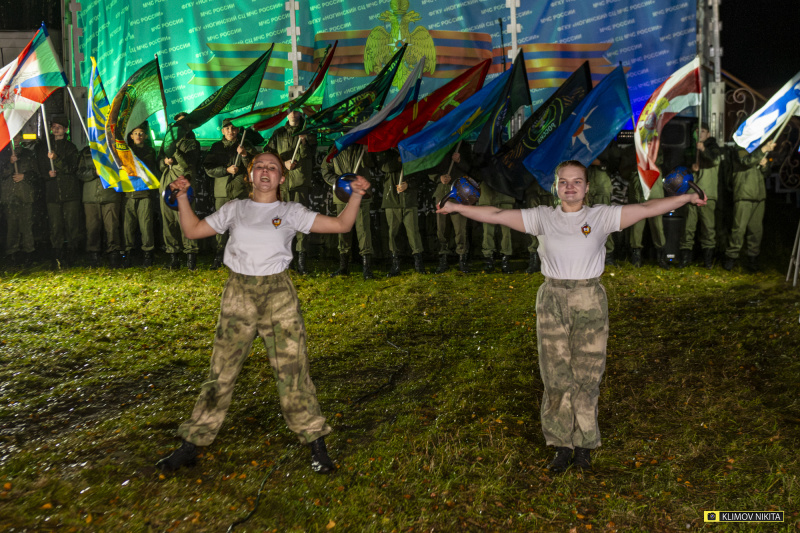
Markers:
572,331
266,306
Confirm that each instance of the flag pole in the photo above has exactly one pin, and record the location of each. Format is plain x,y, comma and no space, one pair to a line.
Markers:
699,118
358,163
451,159
78,111
296,148
241,143
14,153
47,138
402,171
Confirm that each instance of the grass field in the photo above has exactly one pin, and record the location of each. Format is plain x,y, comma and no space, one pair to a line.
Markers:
432,386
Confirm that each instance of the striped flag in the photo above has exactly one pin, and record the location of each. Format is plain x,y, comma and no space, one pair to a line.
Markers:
27,82
764,122
678,92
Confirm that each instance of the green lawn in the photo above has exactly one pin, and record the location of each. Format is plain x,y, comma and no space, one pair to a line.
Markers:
432,386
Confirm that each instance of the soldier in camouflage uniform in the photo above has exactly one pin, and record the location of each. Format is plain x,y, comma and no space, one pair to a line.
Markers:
226,163
138,214
260,300
182,162
636,196
571,305
749,197
535,196
102,209
400,205
62,191
343,163
297,186
18,179
444,178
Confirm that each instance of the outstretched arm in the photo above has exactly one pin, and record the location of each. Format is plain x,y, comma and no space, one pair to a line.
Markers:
344,222
192,227
486,214
633,213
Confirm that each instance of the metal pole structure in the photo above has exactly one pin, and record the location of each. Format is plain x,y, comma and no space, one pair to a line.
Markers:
78,112
294,56
794,260
514,29
716,89
47,137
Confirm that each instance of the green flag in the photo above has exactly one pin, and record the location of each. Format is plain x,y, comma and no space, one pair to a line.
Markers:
356,109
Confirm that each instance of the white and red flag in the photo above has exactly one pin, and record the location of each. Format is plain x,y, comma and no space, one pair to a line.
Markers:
26,83
678,92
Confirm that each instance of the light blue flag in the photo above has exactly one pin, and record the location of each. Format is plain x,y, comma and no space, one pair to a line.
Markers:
587,131
408,92
764,122
429,146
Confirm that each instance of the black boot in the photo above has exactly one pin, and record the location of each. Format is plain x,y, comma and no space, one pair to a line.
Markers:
367,271
708,258
534,264
191,261
636,257
463,263
394,270
561,461
419,265
114,260
344,266
442,268
174,261
186,455
581,459
320,462
610,259
301,263
146,262
488,264
729,263
94,260
752,263
686,258
505,265
663,262
217,264
127,259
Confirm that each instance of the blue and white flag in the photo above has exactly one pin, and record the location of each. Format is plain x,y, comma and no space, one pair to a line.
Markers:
587,131
763,123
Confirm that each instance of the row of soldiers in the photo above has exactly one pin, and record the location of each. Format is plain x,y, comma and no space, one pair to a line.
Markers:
71,180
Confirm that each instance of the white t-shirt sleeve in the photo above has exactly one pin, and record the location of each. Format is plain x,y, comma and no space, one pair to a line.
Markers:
531,218
610,218
221,220
303,217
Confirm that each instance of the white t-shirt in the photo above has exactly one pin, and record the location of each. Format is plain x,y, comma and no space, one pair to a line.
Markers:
260,242
572,245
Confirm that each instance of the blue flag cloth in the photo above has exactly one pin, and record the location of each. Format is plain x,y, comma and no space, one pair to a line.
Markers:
763,123
428,147
587,131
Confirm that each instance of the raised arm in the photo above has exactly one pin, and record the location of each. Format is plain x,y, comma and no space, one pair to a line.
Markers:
486,213
192,227
633,213
344,222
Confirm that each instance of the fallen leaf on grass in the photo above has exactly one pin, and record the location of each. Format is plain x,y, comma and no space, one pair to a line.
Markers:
331,525
7,486
47,506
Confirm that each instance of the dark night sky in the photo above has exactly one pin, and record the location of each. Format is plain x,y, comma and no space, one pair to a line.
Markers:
761,41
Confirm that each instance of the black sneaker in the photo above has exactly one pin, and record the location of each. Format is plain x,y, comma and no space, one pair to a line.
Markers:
561,461
320,462
186,455
581,459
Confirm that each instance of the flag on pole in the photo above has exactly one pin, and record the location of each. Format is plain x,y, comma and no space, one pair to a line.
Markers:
110,174
429,146
408,92
764,122
587,131
507,173
430,109
515,95
269,117
678,92
241,91
357,108
27,82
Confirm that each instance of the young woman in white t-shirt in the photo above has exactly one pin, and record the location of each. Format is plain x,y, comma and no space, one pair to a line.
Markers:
260,300
571,304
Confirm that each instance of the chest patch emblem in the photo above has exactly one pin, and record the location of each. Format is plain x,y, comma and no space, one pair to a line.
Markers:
276,222
586,229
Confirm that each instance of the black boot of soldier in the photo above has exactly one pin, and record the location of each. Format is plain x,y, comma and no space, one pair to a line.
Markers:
114,260
708,258
561,461
344,266
582,458
686,258
419,265
146,262
488,264
752,263
534,264
663,262
463,264
636,257
395,268
186,455
610,259
729,263
217,263
505,265
301,263
174,261
367,271
94,260
191,261
442,268
320,462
